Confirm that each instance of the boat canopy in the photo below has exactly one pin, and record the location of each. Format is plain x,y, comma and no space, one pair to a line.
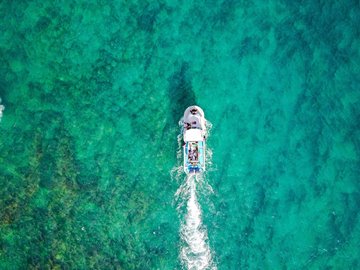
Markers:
193,135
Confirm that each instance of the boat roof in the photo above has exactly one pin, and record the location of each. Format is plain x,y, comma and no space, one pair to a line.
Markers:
193,135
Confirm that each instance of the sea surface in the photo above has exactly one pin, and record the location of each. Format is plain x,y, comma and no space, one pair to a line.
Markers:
92,93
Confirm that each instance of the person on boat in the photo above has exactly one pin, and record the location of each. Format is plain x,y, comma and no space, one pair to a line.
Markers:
190,154
193,111
196,155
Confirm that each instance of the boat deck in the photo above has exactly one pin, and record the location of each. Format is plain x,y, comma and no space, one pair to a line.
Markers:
194,156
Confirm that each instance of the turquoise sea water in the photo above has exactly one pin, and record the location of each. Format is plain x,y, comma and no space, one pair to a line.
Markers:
93,92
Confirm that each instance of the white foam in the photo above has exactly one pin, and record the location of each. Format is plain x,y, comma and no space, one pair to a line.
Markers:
2,108
195,252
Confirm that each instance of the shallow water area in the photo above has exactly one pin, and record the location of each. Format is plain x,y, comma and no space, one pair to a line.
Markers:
91,95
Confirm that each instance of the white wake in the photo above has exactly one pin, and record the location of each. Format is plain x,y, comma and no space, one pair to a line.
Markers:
195,252
2,107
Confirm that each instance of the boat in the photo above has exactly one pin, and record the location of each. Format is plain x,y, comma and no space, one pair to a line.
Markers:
194,135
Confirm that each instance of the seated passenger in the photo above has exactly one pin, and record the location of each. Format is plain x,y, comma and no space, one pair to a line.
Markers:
193,111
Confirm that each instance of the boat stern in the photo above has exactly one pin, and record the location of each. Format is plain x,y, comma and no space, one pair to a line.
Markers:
194,157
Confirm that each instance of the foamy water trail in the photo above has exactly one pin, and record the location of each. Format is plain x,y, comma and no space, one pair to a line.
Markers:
2,107
195,252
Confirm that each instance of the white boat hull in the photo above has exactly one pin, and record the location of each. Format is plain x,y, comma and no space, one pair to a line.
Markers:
194,140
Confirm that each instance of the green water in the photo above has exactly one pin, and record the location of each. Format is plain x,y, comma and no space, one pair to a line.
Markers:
93,92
